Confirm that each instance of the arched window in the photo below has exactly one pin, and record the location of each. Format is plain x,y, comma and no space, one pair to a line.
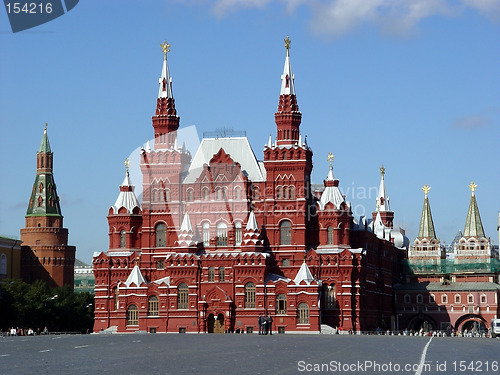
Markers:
407,299
132,315
281,304
303,313
256,194
206,233
237,193
153,306
237,233
224,194
116,294
211,275
483,298
285,192
279,192
292,192
221,234
122,239
470,298
222,274
285,233
155,195
190,195
218,194
182,296
330,296
457,298
249,295
161,235
167,195
420,298
329,235
159,159
205,194
444,298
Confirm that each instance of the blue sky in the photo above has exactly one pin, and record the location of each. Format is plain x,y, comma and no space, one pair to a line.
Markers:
411,84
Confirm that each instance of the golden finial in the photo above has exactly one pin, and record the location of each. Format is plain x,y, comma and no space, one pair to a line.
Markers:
165,47
382,171
127,163
472,187
426,189
330,157
287,42
45,129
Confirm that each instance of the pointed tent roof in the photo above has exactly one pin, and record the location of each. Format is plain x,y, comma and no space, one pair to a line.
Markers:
426,229
44,144
287,84
304,274
44,200
165,81
186,224
332,192
382,198
127,197
252,222
473,225
135,277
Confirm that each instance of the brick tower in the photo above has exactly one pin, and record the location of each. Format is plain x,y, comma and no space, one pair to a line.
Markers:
45,254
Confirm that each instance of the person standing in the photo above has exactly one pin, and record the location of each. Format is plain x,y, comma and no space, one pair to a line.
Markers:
270,324
260,320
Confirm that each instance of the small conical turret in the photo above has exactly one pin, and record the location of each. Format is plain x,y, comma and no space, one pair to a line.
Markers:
426,228
473,224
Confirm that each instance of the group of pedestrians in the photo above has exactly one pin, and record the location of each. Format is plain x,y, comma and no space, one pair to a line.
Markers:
265,324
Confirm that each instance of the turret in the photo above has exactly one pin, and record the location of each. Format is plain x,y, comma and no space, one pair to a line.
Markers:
45,252
382,203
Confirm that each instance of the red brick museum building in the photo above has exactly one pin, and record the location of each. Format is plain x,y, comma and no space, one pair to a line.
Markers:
221,237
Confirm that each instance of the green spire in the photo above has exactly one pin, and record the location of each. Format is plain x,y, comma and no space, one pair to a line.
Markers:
44,200
426,229
45,145
473,224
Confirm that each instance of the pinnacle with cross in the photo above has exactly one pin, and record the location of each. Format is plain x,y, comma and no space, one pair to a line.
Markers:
165,48
382,171
127,163
426,189
287,43
472,187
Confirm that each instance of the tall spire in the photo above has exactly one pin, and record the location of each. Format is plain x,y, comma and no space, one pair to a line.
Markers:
288,116
473,224
44,199
382,206
165,120
382,198
165,81
426,229
287,78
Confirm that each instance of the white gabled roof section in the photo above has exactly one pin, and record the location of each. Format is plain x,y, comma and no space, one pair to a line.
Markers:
252,222
238,148
163,280
186,224
332,192
127,197
135,277
304,274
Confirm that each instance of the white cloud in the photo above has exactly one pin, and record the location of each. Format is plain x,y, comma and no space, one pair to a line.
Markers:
471,122
338,17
